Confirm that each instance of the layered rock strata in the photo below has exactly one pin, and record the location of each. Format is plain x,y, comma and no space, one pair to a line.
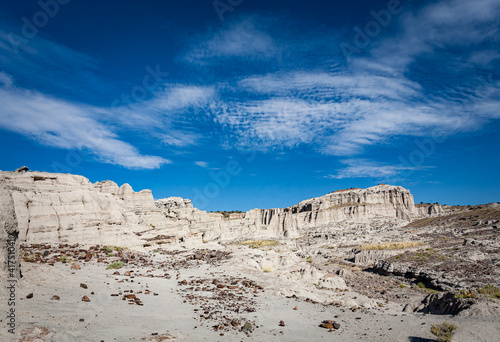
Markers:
65,208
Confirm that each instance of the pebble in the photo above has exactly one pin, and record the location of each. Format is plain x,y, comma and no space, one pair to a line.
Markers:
29,296
85,299
82,285
55,297
247,327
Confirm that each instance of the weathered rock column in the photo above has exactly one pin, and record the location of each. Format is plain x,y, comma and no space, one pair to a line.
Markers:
9,248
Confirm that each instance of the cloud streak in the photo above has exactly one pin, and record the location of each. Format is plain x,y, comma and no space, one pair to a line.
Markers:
66,125
361,168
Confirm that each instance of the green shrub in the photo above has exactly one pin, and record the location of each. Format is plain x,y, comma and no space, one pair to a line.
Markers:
465,294
444,331
116,265
421,285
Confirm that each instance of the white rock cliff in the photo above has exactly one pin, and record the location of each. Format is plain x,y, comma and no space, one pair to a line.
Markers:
65,208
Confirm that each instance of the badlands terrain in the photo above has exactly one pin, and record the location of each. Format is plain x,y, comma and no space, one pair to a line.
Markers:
99,262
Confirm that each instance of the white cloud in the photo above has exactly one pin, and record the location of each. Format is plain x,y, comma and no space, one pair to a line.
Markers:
66,125
201,164
242,39
6,80
360,168
372,100
341,113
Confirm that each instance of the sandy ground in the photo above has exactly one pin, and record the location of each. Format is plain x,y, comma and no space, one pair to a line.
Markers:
169,317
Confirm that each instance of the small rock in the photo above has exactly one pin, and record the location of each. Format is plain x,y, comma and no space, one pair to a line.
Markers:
85,299
282,324
247,327
55,297
82,285
326,326
296,308
82,320
29,296
75,267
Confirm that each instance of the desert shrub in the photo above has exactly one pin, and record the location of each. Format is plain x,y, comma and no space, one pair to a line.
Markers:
465,294
421,285
443,331
116,265
490,290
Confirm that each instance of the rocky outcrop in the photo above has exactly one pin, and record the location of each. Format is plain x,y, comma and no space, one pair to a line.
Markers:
429,210
437,279
444,303
9,240
68,208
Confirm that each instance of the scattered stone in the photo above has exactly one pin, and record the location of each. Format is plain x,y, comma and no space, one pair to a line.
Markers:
247,327
82,320
296,308
55,297
75,267
82,285
326,326
282,324
85,299
29,296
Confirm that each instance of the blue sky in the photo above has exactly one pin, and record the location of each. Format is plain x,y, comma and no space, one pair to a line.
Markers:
239,104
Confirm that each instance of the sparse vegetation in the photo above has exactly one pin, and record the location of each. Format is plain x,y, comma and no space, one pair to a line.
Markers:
465,294
391,245
116,265
443,331
421,285
260,243
267,269
490,291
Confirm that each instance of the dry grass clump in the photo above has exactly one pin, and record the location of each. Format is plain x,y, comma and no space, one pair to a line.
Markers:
260,243
391,245
267,268
490,290
444,331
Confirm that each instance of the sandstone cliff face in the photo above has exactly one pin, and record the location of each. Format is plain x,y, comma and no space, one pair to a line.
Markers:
69,209
65,208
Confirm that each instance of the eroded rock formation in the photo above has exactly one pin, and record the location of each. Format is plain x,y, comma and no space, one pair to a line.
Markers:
65,208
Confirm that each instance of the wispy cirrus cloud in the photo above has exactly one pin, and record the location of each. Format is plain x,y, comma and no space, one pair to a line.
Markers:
203,164
374,100
362,168
240,39
67,125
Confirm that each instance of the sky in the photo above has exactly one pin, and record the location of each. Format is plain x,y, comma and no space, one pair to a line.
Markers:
242,104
